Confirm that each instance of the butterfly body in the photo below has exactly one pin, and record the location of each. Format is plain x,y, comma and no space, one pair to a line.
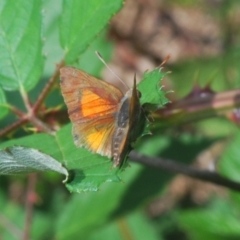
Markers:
102,116
127,118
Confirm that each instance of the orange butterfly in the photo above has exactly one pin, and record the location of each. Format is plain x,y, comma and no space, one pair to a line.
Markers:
103,118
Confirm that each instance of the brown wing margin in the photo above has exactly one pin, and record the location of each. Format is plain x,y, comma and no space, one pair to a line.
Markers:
92,106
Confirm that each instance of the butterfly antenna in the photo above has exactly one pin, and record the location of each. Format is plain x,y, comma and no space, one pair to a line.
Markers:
101,58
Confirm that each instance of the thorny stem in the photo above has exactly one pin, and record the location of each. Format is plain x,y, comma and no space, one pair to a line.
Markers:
17,111
13,126
48,87
173,166
40,125
198,107
31,115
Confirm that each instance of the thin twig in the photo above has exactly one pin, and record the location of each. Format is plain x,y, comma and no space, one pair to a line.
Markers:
31,115
48,87
32,179
14,109
172,166
12,127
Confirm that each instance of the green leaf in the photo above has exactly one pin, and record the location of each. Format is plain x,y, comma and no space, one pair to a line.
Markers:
50,28
229,163
81,21
219,221
101,44
152,95
84,213
151,91
43,142
17,160
21,61
3,108
137,224
89,170
140,226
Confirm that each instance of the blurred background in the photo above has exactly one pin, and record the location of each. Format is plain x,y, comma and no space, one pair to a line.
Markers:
202,40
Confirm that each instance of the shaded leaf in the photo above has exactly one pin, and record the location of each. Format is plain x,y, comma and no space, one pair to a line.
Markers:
137,224
218,221
14,215
3,109
229,163
93,209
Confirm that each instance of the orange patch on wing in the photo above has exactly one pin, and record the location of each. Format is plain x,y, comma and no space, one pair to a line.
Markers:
94,107
95,139
91,105
96,135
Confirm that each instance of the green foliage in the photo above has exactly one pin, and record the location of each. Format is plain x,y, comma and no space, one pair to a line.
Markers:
150,88
218,221
89,56
91,17
94,208
90,170
20,44
229,162
73,31
16,160
3,108
76,31
13,214
135,225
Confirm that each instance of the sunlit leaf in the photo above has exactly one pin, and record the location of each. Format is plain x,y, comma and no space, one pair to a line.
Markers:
21,60
81,21
151,88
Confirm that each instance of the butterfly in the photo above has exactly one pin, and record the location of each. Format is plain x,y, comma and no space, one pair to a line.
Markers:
104,120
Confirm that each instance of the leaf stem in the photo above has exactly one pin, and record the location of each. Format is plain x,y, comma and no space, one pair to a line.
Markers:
25,98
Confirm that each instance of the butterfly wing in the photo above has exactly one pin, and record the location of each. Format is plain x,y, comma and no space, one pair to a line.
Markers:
126,124
92,107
